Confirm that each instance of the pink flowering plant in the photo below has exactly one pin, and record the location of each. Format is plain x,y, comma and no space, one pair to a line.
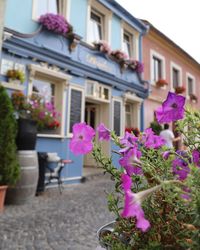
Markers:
136,66
37,109
156,198
102,46
55,23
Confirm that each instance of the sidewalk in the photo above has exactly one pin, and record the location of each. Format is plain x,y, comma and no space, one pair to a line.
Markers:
58,222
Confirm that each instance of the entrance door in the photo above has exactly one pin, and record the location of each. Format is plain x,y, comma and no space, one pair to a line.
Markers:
92,119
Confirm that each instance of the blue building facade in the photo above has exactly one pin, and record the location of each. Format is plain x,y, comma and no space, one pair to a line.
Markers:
86,83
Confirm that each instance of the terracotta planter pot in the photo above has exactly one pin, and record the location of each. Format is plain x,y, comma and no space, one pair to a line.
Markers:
2,197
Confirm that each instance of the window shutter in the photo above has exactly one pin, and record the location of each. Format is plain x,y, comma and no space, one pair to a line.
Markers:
117,116
75,107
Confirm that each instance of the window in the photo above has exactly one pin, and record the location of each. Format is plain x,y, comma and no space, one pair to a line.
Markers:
127,44
50,85
8,64
98,91
190,87
130,41
176,75
98,22
157,67
41,7
95,27
117,117
45,6
44,89
128,122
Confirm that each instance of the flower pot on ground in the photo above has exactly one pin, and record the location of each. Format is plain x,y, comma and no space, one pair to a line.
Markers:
9,165
27,134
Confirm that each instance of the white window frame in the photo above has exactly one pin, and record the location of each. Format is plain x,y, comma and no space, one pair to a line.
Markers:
179,69
63,6
118,99
188,75
107,16
95,95
71,87
134,39
132,99
153,54
61,80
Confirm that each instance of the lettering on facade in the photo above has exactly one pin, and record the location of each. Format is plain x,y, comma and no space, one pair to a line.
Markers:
103,65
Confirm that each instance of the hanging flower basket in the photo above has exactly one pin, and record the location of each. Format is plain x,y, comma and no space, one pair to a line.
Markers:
161,83
179,89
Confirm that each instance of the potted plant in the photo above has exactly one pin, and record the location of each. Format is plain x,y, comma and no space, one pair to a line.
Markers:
15,75
161,83
102,46
136,66
193,98
35,114
58,24
179,89
155,198
9,165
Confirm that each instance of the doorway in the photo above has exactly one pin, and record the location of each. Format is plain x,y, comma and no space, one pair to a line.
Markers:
95,113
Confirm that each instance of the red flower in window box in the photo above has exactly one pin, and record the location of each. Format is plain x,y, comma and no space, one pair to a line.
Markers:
135,131
161,83
179,89
193,97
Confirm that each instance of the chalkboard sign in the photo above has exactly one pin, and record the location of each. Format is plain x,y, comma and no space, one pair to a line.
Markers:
76,106
117,116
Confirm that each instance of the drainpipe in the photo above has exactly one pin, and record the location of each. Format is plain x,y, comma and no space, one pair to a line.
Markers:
2,15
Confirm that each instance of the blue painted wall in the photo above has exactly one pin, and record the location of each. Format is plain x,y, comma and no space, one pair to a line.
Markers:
19,16
78,17
116,32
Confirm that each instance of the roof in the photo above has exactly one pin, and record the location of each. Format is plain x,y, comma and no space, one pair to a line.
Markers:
153,28
122,13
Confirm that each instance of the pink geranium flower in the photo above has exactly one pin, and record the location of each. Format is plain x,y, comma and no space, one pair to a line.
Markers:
104,133
172,109
81,142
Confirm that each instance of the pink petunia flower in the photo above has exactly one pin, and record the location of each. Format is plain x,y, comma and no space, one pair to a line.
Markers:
172,108
196,157
81,142
132,207
104,133
130,161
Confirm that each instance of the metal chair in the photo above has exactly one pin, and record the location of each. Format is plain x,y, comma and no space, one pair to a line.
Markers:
55,173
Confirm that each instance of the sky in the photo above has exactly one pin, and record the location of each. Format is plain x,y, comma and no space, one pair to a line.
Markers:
179,20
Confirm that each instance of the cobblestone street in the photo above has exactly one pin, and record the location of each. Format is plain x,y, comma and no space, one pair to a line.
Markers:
58,222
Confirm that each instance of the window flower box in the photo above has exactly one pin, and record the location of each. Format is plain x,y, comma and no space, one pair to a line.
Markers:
161,83
193,98
15,76
102,46
179,89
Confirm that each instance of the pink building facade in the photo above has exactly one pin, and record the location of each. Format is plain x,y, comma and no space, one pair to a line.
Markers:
178,71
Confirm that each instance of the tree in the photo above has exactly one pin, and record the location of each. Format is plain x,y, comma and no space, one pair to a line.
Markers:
9,165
